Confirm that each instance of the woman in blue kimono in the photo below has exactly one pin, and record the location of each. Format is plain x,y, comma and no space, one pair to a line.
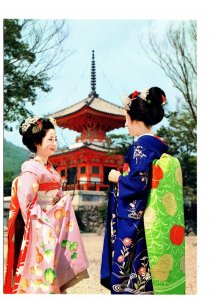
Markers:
125,266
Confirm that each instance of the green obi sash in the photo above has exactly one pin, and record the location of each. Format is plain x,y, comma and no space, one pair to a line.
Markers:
164,227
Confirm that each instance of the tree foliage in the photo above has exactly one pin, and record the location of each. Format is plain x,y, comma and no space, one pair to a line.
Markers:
180,135
119,143
176,53
31,49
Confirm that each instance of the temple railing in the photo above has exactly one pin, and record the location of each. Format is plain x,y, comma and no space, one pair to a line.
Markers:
86,186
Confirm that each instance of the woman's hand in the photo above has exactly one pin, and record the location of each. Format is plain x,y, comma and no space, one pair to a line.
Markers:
113,176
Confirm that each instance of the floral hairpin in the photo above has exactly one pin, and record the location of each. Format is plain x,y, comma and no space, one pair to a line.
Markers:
53,121
37,124
143,95
127,101
28,122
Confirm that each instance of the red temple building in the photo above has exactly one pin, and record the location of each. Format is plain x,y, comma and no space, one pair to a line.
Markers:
85,165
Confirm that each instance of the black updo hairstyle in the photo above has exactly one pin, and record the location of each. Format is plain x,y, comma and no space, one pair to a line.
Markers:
31,138
150,110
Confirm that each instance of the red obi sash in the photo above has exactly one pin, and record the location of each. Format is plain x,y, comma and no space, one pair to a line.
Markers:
48,186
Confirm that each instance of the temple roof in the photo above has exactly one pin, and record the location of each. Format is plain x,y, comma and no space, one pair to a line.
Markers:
96,103
78,146
92,113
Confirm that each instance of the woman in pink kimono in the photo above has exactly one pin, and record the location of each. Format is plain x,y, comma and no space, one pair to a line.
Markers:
45,249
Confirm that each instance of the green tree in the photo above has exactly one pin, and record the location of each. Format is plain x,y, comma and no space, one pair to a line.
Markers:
8,179
175,51
180,134
119,143
31,49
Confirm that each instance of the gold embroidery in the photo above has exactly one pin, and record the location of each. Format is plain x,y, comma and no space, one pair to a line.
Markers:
162,268
169,203
24,283
149,217
178,176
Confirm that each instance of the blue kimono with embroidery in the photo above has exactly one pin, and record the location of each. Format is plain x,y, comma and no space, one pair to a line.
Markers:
125,266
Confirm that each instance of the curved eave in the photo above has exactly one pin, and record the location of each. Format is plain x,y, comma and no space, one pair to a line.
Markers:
76,121
95,103
78,149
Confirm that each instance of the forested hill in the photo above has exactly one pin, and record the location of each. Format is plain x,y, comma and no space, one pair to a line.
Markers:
14,156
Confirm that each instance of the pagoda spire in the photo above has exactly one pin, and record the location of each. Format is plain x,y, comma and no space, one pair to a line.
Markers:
93,77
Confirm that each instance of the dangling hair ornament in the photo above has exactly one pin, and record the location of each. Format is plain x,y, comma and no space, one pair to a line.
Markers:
37,127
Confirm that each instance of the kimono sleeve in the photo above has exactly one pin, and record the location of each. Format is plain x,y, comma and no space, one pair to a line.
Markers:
61,192
27,188
136,183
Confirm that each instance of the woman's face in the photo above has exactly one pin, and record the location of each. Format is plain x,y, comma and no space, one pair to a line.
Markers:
49,144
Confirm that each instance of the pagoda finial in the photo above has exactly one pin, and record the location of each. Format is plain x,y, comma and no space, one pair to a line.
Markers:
93,77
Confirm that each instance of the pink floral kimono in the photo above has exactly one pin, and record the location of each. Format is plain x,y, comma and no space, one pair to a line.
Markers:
51,252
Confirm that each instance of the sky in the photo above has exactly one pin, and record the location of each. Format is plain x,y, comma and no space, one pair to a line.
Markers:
119,57
121,67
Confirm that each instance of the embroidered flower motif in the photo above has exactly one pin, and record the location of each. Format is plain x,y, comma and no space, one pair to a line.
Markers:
48,237
57,229
149,217
127,242
39,256
48,255
157,175
69,226
24,283
141,212
36,270
178,176
59,213
163,267
121,259
35,187
142,271
170,203
177,234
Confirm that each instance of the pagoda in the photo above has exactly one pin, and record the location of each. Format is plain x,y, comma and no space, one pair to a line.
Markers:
85,165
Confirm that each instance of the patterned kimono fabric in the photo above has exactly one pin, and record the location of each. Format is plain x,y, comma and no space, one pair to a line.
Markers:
164,227
125,265
51,252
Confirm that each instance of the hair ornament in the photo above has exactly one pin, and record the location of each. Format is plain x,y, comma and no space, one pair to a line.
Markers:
163,99
135,94
144,94
126,102
37,127
53,121
30,121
